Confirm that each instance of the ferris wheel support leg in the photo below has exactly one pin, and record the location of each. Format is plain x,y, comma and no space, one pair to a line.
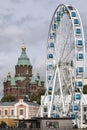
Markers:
81,114
40,111
52,96
61,90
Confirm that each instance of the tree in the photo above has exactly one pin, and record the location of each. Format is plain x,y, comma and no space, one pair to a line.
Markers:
3,124
85,89
37,97
8,98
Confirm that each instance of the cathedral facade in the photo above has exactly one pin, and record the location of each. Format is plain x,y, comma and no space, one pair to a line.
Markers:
23,85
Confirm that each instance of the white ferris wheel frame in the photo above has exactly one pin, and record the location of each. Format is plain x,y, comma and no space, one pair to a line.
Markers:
56,71
82,62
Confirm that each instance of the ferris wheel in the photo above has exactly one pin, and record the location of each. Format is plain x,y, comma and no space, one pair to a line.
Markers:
65,63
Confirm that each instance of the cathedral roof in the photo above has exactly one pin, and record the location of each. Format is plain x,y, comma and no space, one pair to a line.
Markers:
23,59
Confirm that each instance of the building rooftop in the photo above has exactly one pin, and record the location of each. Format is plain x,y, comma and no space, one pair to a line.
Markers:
13,103
23,59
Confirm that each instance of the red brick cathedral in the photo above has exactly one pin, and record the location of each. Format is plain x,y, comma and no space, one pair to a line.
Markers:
24,84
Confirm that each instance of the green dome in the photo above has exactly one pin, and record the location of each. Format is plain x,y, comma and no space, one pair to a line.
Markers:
23,59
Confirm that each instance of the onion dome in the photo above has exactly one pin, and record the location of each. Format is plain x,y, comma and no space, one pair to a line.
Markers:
23,59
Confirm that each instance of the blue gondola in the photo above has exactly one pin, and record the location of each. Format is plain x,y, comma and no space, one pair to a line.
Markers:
57,19
80,70
50,56
55,26
79,84
73,14
50,89
53,35
51,45
73,116
75,108
78,31
50,98
49,66
80,56
59,14
76,21
77,96
79,43
49,77
55,115
63,9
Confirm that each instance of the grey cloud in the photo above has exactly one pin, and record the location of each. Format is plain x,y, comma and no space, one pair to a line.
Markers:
16,1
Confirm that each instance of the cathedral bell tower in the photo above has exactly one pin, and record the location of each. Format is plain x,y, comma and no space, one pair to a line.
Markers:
23,67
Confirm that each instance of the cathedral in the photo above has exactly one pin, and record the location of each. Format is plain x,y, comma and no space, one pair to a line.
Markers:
23,85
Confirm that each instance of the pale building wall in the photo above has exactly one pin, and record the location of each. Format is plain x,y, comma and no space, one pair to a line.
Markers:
85,81
28,111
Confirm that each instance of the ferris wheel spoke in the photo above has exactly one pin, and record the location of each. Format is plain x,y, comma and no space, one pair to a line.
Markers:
68,54
66,43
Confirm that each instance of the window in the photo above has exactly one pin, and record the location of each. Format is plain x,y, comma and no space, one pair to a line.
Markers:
38,125
54,107
84,108
21,111
84,117
6,112
52,125
45,109
12,112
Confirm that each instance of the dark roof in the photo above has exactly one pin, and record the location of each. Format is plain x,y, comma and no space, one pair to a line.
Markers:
13,103
7,103
44,118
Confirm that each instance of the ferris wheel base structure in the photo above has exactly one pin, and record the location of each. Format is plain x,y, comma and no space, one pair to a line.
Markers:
65,66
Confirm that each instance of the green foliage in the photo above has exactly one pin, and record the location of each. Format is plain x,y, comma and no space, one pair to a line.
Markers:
85,89
37,97
3,124
8,98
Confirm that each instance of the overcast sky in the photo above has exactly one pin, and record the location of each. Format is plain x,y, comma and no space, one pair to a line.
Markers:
28,21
